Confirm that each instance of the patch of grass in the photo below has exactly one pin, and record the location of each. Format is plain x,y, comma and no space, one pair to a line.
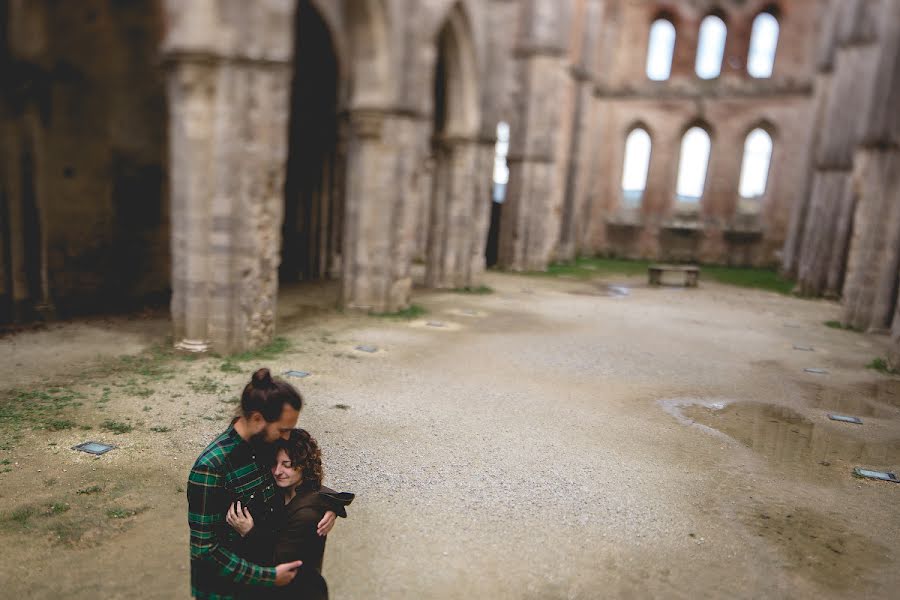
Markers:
5,461
124,513
272,350
882,366
761,279
116,427
839,325
230,367
57,508
20,407
159,429
94,489
481,289
586,268
59,425
69,531
207,385
412,312
21,516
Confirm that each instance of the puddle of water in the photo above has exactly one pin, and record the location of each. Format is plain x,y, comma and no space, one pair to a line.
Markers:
793,442
860,400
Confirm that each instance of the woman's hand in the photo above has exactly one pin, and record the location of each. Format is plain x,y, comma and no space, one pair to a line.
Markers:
239,518
326,523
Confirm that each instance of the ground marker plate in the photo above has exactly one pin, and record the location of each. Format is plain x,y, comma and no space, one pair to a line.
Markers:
880,475
368,349
845,419
803,348
816,371
297,374
93,448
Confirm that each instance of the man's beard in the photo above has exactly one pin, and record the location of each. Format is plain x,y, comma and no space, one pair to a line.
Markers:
264,451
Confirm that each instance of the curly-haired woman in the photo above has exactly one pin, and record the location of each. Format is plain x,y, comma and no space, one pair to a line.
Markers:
298,475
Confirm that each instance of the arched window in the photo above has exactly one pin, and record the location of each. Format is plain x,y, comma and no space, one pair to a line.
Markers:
637,163
660,49
692,165
755,166
501,171
710,48
763,42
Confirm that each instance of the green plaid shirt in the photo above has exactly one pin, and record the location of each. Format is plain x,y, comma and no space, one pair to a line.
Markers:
225,472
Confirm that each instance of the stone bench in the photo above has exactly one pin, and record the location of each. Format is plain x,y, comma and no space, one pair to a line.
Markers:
691,273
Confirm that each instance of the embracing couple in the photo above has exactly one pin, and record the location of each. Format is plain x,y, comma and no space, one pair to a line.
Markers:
257,509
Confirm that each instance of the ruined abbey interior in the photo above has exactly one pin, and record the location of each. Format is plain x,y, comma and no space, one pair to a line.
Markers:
201,153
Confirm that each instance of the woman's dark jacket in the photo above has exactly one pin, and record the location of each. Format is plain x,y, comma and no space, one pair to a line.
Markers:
296,539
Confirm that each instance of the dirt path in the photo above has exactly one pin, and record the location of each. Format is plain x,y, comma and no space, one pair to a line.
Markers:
548,441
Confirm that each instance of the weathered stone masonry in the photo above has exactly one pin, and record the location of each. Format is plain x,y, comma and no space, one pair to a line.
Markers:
214,150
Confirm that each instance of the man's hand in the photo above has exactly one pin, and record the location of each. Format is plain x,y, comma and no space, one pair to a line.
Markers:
285,572
326,523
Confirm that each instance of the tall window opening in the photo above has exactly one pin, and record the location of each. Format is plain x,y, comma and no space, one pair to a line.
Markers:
660,49
636,166
763,43
692,165
755,165
501,170
710,48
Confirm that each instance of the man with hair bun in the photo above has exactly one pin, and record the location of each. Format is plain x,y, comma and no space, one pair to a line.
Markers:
229,471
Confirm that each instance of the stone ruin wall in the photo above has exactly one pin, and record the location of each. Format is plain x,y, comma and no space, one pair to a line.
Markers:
133,111
723,229
83,177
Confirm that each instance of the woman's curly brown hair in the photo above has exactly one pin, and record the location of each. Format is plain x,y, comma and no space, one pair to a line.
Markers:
304,453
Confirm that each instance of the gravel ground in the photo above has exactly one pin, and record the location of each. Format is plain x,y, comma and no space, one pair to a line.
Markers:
542,443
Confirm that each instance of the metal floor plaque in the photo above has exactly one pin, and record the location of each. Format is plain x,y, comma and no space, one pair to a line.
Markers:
298,374
93,448
880,475
845,419
368,349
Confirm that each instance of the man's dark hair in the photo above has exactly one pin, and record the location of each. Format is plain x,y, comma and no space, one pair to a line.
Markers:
267,396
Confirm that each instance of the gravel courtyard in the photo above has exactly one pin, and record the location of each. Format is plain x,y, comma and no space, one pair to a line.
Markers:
555,439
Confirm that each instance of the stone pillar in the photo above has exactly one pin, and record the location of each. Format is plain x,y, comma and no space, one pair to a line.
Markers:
822,251
531,218
582,155
228,94
870,285
380,210
460,209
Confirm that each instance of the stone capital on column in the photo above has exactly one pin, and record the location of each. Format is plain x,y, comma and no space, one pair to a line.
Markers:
366,123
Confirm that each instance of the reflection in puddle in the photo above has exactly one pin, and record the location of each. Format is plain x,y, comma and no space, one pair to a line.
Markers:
877,400
790,440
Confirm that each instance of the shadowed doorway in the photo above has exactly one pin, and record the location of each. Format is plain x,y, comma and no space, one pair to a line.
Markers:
311,232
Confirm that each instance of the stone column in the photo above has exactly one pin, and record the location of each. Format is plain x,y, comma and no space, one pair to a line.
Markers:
460,209
582,155
822,250
228,94
870,286
531,217
380,210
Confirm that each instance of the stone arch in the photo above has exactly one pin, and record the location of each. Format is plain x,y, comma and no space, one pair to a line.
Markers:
457,217
456,45
369,81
